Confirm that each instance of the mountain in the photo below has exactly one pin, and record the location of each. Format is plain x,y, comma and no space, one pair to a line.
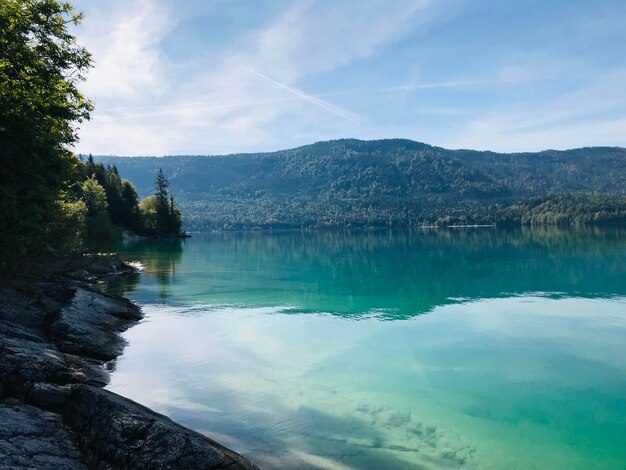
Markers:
387,183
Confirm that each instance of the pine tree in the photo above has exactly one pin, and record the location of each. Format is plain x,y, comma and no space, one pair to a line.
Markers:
162,203
160,212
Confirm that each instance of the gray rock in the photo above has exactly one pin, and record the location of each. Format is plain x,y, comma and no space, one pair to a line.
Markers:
49,396
124,434
17,308
55,342
28,358
33,438
90,325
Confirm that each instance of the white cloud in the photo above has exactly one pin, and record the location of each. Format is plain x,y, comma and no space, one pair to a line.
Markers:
123,38
223,107
315,36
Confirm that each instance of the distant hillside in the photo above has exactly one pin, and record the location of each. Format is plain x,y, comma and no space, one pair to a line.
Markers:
388,183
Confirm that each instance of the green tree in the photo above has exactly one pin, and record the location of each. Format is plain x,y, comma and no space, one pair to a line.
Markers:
131,215
148,208
100,232
159,213
68,224
122,198
40,106
161,196
175,220
94,196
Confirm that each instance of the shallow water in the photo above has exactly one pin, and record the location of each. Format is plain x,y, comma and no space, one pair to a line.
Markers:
476,348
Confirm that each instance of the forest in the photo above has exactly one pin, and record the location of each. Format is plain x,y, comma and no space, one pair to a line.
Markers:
112,205
388,183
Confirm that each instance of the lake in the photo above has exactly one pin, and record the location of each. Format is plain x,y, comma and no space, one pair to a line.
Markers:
435,348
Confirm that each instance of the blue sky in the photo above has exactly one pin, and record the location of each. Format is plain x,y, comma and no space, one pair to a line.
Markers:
225,76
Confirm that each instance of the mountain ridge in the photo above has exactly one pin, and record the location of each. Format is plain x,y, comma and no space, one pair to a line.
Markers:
386,182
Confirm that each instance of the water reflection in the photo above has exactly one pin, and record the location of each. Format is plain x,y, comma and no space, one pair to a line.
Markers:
160,258
520,364
122,285
391,274
524,382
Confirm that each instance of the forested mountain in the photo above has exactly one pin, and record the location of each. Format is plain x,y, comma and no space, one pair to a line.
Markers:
388,183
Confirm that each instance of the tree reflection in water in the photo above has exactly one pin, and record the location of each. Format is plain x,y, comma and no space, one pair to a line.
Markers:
159,257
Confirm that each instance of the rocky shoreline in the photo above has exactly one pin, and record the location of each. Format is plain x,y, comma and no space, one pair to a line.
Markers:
57,339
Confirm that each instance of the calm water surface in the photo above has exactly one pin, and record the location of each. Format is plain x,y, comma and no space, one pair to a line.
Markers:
476,348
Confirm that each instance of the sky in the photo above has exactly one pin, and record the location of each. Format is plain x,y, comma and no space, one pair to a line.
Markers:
205,77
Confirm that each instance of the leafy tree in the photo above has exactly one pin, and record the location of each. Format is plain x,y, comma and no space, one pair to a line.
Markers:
40,106
94,196
148,208
121,196
100,232
68,225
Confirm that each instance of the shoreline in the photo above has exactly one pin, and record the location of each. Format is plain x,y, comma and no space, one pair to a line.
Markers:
407,228
56,342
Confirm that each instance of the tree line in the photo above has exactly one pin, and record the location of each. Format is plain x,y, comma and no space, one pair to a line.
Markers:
112,205
299,213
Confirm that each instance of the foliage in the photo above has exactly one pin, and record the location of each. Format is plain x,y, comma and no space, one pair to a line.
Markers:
99,231
66,230
148,208
121,196
161,196
567,209
156,215
40,106
113,205
94,196
386,183
160,214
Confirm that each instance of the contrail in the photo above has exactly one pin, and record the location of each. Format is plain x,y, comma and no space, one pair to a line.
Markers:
305,96
315,99
459,84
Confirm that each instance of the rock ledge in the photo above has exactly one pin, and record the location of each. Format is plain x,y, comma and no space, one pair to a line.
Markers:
55,341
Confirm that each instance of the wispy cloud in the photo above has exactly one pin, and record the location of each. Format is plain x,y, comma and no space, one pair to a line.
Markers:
319,69
217,100
462,84
123,39
593,115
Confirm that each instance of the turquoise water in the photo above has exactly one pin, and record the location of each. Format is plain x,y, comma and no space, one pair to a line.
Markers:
479,348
